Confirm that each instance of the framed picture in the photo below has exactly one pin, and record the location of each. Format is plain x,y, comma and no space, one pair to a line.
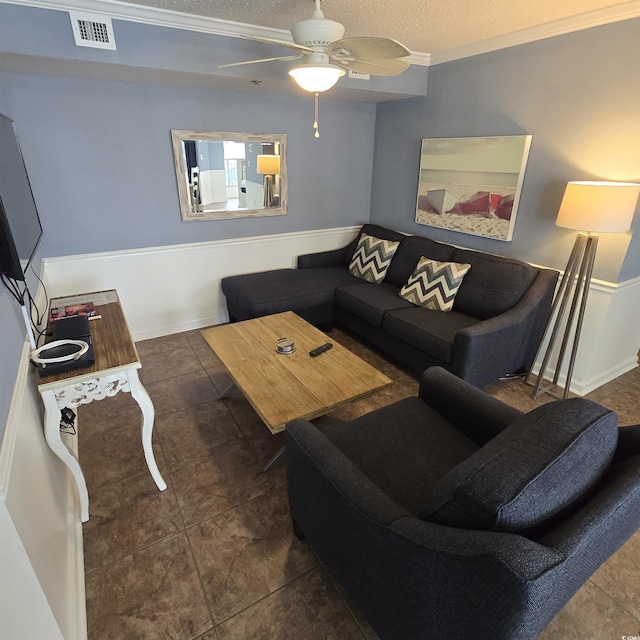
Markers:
472,185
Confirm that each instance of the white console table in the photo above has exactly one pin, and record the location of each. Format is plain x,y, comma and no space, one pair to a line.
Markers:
115,369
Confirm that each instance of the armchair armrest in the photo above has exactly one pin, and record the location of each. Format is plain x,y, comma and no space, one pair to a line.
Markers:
506,342
595,531
474,412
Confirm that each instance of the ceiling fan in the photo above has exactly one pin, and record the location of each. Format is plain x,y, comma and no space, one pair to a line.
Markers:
329,54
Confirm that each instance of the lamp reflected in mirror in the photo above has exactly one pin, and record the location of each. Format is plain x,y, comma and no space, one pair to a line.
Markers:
221,175
269,167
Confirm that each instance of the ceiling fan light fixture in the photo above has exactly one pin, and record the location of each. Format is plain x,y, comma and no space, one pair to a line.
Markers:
316,78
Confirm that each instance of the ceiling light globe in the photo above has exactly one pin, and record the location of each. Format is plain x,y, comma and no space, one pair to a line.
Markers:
316,78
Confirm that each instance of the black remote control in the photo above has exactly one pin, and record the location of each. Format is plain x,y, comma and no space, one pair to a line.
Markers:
321,349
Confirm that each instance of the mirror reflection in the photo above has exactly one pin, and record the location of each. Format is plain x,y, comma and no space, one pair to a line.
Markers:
230,175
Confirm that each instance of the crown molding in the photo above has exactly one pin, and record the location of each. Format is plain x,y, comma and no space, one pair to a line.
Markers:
190,22
158,17
596,18
176,20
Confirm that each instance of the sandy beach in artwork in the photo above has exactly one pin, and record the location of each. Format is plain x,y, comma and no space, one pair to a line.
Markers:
480,225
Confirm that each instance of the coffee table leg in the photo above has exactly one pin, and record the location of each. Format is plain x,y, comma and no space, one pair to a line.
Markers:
274,461
232,388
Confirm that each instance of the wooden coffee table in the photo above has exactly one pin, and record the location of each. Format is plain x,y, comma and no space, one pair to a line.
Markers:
283,387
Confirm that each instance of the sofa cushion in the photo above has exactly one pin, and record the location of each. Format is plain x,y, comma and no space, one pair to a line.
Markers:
536,468
370,301
372,258
493,285
428,330
408,254
434,284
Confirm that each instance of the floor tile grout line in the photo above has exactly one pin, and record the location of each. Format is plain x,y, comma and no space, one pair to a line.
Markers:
208,604
171,487
202,584
195,406
134,552
178,464
268,595
614,599
340,594
236,506
133,476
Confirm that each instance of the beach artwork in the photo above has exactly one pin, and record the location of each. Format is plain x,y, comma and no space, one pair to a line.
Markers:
472,185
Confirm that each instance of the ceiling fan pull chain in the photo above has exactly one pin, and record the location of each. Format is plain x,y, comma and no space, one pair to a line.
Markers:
315,122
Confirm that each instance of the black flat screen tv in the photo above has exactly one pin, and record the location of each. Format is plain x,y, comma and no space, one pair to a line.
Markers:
20,228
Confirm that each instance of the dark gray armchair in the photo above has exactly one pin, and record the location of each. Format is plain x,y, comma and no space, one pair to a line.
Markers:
452,515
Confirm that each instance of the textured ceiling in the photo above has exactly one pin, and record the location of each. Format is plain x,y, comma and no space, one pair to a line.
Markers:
426,26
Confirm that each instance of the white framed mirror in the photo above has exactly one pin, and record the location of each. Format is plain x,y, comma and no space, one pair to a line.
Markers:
223,175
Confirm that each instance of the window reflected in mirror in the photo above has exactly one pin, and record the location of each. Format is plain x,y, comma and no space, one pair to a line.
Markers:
223,175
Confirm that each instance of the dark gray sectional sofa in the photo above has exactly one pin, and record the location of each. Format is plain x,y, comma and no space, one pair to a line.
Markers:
494,329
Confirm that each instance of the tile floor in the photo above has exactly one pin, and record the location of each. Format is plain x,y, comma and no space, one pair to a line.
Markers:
213,557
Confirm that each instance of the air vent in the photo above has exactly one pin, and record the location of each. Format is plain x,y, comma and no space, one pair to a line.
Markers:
92,31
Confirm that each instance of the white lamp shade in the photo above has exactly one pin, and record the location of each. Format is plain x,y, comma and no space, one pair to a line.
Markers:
316,78
268,165
598,206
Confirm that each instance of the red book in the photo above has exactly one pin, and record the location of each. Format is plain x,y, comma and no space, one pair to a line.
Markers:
70,310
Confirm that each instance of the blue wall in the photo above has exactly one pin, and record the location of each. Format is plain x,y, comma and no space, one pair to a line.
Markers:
101,163
579,97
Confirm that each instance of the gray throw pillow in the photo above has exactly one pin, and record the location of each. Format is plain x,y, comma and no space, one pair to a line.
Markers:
434,284
372,258
536,468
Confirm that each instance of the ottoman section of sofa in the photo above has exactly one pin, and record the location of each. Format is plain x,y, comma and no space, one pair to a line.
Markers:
308,292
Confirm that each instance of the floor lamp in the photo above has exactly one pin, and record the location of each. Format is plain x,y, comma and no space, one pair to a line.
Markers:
592,208
269,167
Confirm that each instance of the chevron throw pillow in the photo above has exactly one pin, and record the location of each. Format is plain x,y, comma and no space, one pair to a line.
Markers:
434,284
372,258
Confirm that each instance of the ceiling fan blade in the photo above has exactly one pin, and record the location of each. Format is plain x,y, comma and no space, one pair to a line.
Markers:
238,64
368,48
282,43
381,67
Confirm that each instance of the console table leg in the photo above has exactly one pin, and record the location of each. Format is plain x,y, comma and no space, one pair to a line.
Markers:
140,395
54,440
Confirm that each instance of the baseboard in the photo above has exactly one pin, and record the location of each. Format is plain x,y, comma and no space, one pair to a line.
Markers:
587,386
168,329
609,340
